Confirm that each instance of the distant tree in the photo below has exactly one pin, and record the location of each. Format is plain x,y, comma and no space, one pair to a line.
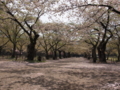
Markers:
107,35
22,43
93,38
12,31
3,42
117,40
111,49
54,36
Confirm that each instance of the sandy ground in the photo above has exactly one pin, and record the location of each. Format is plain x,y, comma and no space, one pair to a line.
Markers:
64,74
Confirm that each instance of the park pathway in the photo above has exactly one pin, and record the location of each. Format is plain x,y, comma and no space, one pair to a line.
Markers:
63,74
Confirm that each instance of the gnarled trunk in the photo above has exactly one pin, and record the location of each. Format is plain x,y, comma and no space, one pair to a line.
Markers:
94,56
31,52
31,47
101,53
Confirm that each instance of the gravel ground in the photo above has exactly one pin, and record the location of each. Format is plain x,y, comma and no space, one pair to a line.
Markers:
63,74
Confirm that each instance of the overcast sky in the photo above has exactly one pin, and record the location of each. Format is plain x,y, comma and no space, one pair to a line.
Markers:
61,18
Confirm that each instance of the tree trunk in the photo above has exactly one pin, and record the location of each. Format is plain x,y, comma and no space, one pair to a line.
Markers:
54,55
94,56
46,54
69,55
1,47
101,54
31,52
118,57
1,50
31,47
118,53
60,54
64,54
13,51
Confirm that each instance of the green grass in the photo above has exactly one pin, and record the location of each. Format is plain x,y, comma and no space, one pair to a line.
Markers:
112,59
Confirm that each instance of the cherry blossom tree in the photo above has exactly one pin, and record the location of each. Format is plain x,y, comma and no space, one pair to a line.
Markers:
27,13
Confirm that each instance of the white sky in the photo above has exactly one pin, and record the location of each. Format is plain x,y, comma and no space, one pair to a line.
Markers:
46,18
63,17
59,18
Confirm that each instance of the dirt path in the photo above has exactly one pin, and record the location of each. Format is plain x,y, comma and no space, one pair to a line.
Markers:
64,74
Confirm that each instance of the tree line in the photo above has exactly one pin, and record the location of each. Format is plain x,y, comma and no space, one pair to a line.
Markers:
96,23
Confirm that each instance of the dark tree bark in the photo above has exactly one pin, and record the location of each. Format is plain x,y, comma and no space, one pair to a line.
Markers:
14,50
54,54
118,50
69,54
1,47
31,52
101,52
31,47
94,56
94,42
46,54
1,50
105,38
60,56
64,54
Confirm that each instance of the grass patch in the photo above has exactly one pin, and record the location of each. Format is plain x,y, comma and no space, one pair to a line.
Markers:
112,59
